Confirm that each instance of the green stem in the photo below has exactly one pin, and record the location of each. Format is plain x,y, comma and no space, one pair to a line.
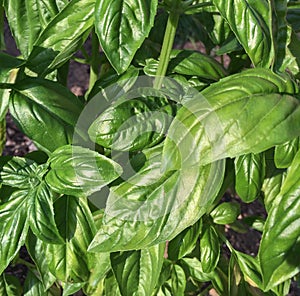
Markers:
94,69
24,262
168,42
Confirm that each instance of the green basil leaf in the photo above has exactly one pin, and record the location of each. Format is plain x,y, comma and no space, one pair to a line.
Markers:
152,207
111,285
273,181
9,285
112,85
7,64
184,242
178,280
207,128
69,262
249,21
250,268
285,153
41,213
22,173
35,248
79,171
209,249
195,270
195,63
137,272
13,227
71,289
40,107
52,49
226,213
282,261
33,286
132,125
249,175
122,27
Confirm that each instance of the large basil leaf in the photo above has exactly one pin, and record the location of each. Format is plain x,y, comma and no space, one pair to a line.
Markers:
152,207
13,227
221,124
132,125
191,63
27,19
79,171
40,107
249,20
69,262
62,36
249,175
280,261
285,153
122,26
137,272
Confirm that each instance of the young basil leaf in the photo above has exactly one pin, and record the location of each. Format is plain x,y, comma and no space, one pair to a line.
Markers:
13,227
207,128
35,248
10,285
69,262
80,171
226,213
249,21
249,175
33,286
126,24
209,248
184,242
137,272
152,207
178,281
281,261
52,49
132,125
285,153
71,288
40,107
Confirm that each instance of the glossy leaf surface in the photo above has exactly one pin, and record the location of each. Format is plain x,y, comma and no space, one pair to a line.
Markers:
134,270
79,171
127,25
285,153
282,260
52,49
152,207
219,125
225,213
249,21
249,175
41,106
